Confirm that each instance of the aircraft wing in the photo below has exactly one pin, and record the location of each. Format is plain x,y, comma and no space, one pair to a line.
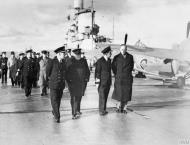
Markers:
154,52
181,53
177,54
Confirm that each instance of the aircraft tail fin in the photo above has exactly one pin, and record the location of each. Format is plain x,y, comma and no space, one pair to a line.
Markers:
188,29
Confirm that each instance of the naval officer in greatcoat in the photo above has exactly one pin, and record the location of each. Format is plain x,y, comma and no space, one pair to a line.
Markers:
56,71
78,75
28,68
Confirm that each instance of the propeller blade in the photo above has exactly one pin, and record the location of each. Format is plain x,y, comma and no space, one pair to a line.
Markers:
125,41
188,29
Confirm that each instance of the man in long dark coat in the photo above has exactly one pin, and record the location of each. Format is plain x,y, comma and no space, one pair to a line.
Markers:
78,75
55,71
103,78
28,68
122,67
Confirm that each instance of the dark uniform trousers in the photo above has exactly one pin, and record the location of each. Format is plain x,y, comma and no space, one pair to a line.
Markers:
28,84
4,75
75,104
103,92
56,73
56,95
103,72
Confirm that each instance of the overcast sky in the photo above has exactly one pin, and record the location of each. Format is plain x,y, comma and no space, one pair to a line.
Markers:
41,24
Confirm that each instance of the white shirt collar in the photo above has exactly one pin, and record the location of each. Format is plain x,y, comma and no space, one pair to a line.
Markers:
105,58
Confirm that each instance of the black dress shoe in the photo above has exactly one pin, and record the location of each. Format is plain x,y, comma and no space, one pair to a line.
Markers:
53,113
79,113
119,110
124,111
75,117
102,113
106,112
42,94
58,120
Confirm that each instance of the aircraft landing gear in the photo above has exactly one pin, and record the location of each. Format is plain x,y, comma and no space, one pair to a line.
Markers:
180,82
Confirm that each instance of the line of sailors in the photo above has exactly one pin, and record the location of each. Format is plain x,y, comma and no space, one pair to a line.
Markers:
74,72
12,64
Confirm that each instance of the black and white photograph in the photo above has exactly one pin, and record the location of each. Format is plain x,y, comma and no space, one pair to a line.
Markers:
94,72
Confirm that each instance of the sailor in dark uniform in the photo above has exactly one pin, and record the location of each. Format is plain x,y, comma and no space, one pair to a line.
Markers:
55,71
4,67
28,68
103,78
78,75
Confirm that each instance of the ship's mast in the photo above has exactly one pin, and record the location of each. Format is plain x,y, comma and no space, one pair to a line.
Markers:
113,33
79,10
92,11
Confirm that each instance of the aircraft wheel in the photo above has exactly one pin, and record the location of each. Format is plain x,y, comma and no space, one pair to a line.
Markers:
180,82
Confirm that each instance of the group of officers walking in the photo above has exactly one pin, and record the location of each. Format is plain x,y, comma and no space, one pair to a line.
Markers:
24,70
72,71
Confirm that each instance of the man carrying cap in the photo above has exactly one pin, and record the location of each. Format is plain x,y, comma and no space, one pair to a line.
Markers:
122,67
28,69
78,75
4,67
42,77
56,71
103,78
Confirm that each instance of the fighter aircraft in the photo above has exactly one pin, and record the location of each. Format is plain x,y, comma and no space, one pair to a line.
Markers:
168,65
